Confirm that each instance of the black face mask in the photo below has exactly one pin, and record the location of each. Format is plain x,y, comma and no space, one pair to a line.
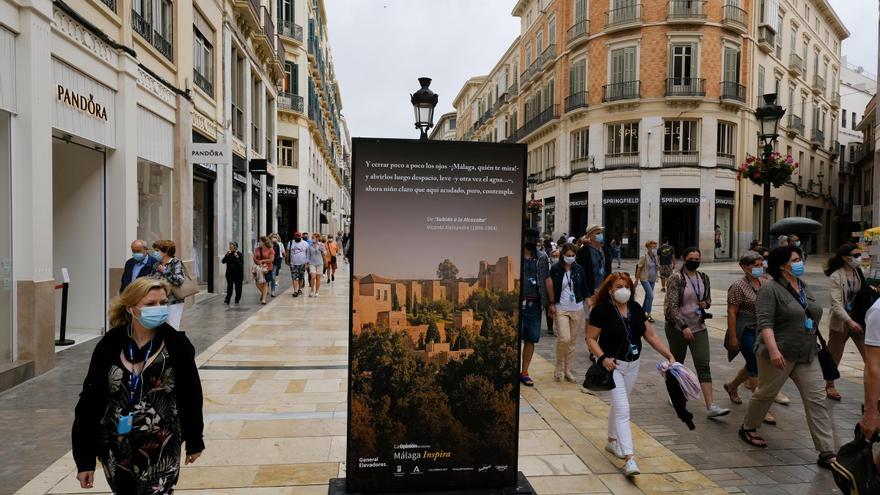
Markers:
692,265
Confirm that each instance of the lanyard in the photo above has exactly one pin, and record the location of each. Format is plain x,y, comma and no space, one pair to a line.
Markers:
136,377
802,295
627,322
852,283
749,283
568,276
697,285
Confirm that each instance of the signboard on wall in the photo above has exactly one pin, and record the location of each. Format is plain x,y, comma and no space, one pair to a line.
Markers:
210,154
433,356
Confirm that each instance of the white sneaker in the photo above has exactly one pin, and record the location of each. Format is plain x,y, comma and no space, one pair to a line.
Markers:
714,411
631,469
614,448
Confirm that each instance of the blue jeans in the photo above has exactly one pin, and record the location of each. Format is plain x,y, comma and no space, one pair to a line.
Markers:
530,321
270,279
747,348
649,295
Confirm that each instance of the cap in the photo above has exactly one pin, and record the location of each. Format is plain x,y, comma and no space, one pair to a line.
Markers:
594,228
297,234
531,233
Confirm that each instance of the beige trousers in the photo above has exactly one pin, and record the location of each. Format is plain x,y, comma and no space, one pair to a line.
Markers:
811,385
837,342
569,324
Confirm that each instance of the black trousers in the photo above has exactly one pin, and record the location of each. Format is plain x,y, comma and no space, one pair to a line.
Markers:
233,283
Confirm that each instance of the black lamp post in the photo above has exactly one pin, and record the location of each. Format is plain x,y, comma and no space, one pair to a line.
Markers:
533,182
423,101
768,116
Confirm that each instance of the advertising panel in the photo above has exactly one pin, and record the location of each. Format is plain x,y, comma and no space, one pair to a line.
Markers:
434,348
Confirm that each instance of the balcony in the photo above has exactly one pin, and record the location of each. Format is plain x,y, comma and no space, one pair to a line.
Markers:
686,11
538,121
623,18
290,30
579,32
621,91
726,160
581,164
733,92
111,4
576,100
151,36
735,18
818,85
247,12
548,56
835,100
203,82
290,102
685,87
795,65
682,158
265,37
628,159
766,39
817,140
795,125
513,89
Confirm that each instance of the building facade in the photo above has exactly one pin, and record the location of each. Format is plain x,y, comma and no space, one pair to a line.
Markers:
444,130
101,102
637,114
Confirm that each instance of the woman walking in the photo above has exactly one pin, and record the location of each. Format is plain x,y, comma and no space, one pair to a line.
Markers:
788,321
264,261
315,253
646,274
688,297
141,399
569,289
847,319
741,324
617,326
615,250
172,271
278,247
234,262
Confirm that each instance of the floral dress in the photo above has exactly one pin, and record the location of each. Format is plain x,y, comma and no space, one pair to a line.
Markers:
147,459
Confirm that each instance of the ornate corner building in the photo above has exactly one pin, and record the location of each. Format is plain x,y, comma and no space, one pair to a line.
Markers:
637,115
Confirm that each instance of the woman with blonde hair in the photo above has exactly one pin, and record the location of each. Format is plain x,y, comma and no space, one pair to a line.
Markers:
141,399
172,271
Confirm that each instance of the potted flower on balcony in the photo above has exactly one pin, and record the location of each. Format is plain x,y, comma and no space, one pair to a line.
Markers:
777,170
534,205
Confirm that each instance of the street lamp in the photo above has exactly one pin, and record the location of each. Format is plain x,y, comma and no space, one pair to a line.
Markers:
768,116
423,101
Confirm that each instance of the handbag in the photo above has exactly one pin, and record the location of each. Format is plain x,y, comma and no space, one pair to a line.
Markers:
863,300
598,378
732,352
826,360
854,470
187,288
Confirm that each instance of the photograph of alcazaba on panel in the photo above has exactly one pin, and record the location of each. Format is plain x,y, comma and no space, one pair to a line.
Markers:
432,360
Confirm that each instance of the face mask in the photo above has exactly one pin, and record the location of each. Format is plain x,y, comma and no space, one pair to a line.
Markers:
855,262
797,243
757,272
692,265
569,259
765,263
797,268
156,255
153,316
138,256
622,295
600,238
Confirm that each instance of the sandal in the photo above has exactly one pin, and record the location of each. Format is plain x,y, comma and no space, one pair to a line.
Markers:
750,437
733,394
527,380
825,460
650,318
832,393
769,419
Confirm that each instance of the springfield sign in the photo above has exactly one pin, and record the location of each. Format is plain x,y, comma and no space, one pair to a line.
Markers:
209,154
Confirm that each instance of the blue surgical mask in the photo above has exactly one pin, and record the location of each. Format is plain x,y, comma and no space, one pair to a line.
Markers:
138,256
600,238
797,243
153,316
797,268
757,272
156,255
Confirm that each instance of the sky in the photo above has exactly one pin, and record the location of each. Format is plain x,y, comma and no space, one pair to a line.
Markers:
381,47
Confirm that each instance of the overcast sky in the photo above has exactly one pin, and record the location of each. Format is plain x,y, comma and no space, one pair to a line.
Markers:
381,47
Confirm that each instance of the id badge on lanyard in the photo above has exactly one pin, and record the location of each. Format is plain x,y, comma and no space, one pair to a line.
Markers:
124,425
809,324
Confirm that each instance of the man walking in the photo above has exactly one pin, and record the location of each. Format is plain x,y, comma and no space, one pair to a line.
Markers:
537,292
667,262
592,259
297,259
139,265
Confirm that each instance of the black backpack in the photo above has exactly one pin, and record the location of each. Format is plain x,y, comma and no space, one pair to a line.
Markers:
854,470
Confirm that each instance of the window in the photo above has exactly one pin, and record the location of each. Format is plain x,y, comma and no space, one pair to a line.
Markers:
623,65
291,78
580,145
580,10
577,81
853,121
203,62
539,43
238,95
726,144
779,27
805,56
549,160
287,153
680,142
153,20
285,11
793,39
452,122
623,138
270,126
684,62
255,115
760,80
551,32
731,64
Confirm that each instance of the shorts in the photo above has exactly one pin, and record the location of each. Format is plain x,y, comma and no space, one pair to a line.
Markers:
530,321
297,272
333,262
315,269
665,271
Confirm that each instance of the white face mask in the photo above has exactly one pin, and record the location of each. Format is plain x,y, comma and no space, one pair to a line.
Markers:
622,295
569,259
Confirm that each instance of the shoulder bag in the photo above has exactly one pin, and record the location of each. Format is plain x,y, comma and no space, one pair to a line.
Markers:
854,470
598,377
826,361
187,288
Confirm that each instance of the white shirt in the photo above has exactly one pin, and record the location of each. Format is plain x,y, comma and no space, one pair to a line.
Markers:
298,254
567,299
872,325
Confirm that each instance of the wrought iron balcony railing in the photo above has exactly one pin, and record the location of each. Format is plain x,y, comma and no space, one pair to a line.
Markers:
580,30
733,91
576,100
627,90
685,86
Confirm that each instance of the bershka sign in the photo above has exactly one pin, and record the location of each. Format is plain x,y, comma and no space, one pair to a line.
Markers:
209,153
285,191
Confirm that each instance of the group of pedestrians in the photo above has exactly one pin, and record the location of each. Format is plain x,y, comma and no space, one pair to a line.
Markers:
158,263
317,257
772,320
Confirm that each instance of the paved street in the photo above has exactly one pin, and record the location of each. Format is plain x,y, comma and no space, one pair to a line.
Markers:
275,390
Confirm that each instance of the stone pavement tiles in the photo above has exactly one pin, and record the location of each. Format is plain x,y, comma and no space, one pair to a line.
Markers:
788,466
37,415
275,404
